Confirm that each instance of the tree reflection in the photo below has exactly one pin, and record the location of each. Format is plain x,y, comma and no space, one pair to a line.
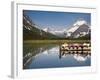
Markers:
31,50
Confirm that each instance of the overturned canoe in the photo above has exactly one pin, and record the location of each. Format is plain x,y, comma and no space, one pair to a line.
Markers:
75,47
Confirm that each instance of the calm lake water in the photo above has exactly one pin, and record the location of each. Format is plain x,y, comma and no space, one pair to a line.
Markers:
50,56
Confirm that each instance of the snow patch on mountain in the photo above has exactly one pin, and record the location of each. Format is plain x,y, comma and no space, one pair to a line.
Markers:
79,23
76,25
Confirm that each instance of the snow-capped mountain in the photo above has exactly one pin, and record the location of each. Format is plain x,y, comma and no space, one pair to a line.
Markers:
46,29
76,25
59,33
79,28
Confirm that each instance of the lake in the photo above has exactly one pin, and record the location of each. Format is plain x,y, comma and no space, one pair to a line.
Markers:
36,56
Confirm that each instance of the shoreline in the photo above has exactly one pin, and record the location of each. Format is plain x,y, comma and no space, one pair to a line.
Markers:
56,41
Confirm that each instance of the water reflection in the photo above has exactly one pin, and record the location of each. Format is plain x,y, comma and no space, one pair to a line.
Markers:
77,55
50,56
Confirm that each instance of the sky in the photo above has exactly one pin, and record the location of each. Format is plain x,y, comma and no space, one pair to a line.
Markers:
56,20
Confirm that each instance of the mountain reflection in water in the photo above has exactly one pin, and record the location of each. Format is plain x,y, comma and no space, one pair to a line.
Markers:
50,56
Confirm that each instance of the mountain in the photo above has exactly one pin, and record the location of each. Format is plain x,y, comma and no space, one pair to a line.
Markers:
79,29
60,34
32,32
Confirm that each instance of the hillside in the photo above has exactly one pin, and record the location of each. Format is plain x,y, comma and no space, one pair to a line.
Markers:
31,32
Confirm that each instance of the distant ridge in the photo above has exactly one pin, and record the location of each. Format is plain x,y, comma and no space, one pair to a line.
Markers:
31,32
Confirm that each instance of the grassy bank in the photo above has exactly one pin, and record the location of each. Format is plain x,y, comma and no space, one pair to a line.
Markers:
55,41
